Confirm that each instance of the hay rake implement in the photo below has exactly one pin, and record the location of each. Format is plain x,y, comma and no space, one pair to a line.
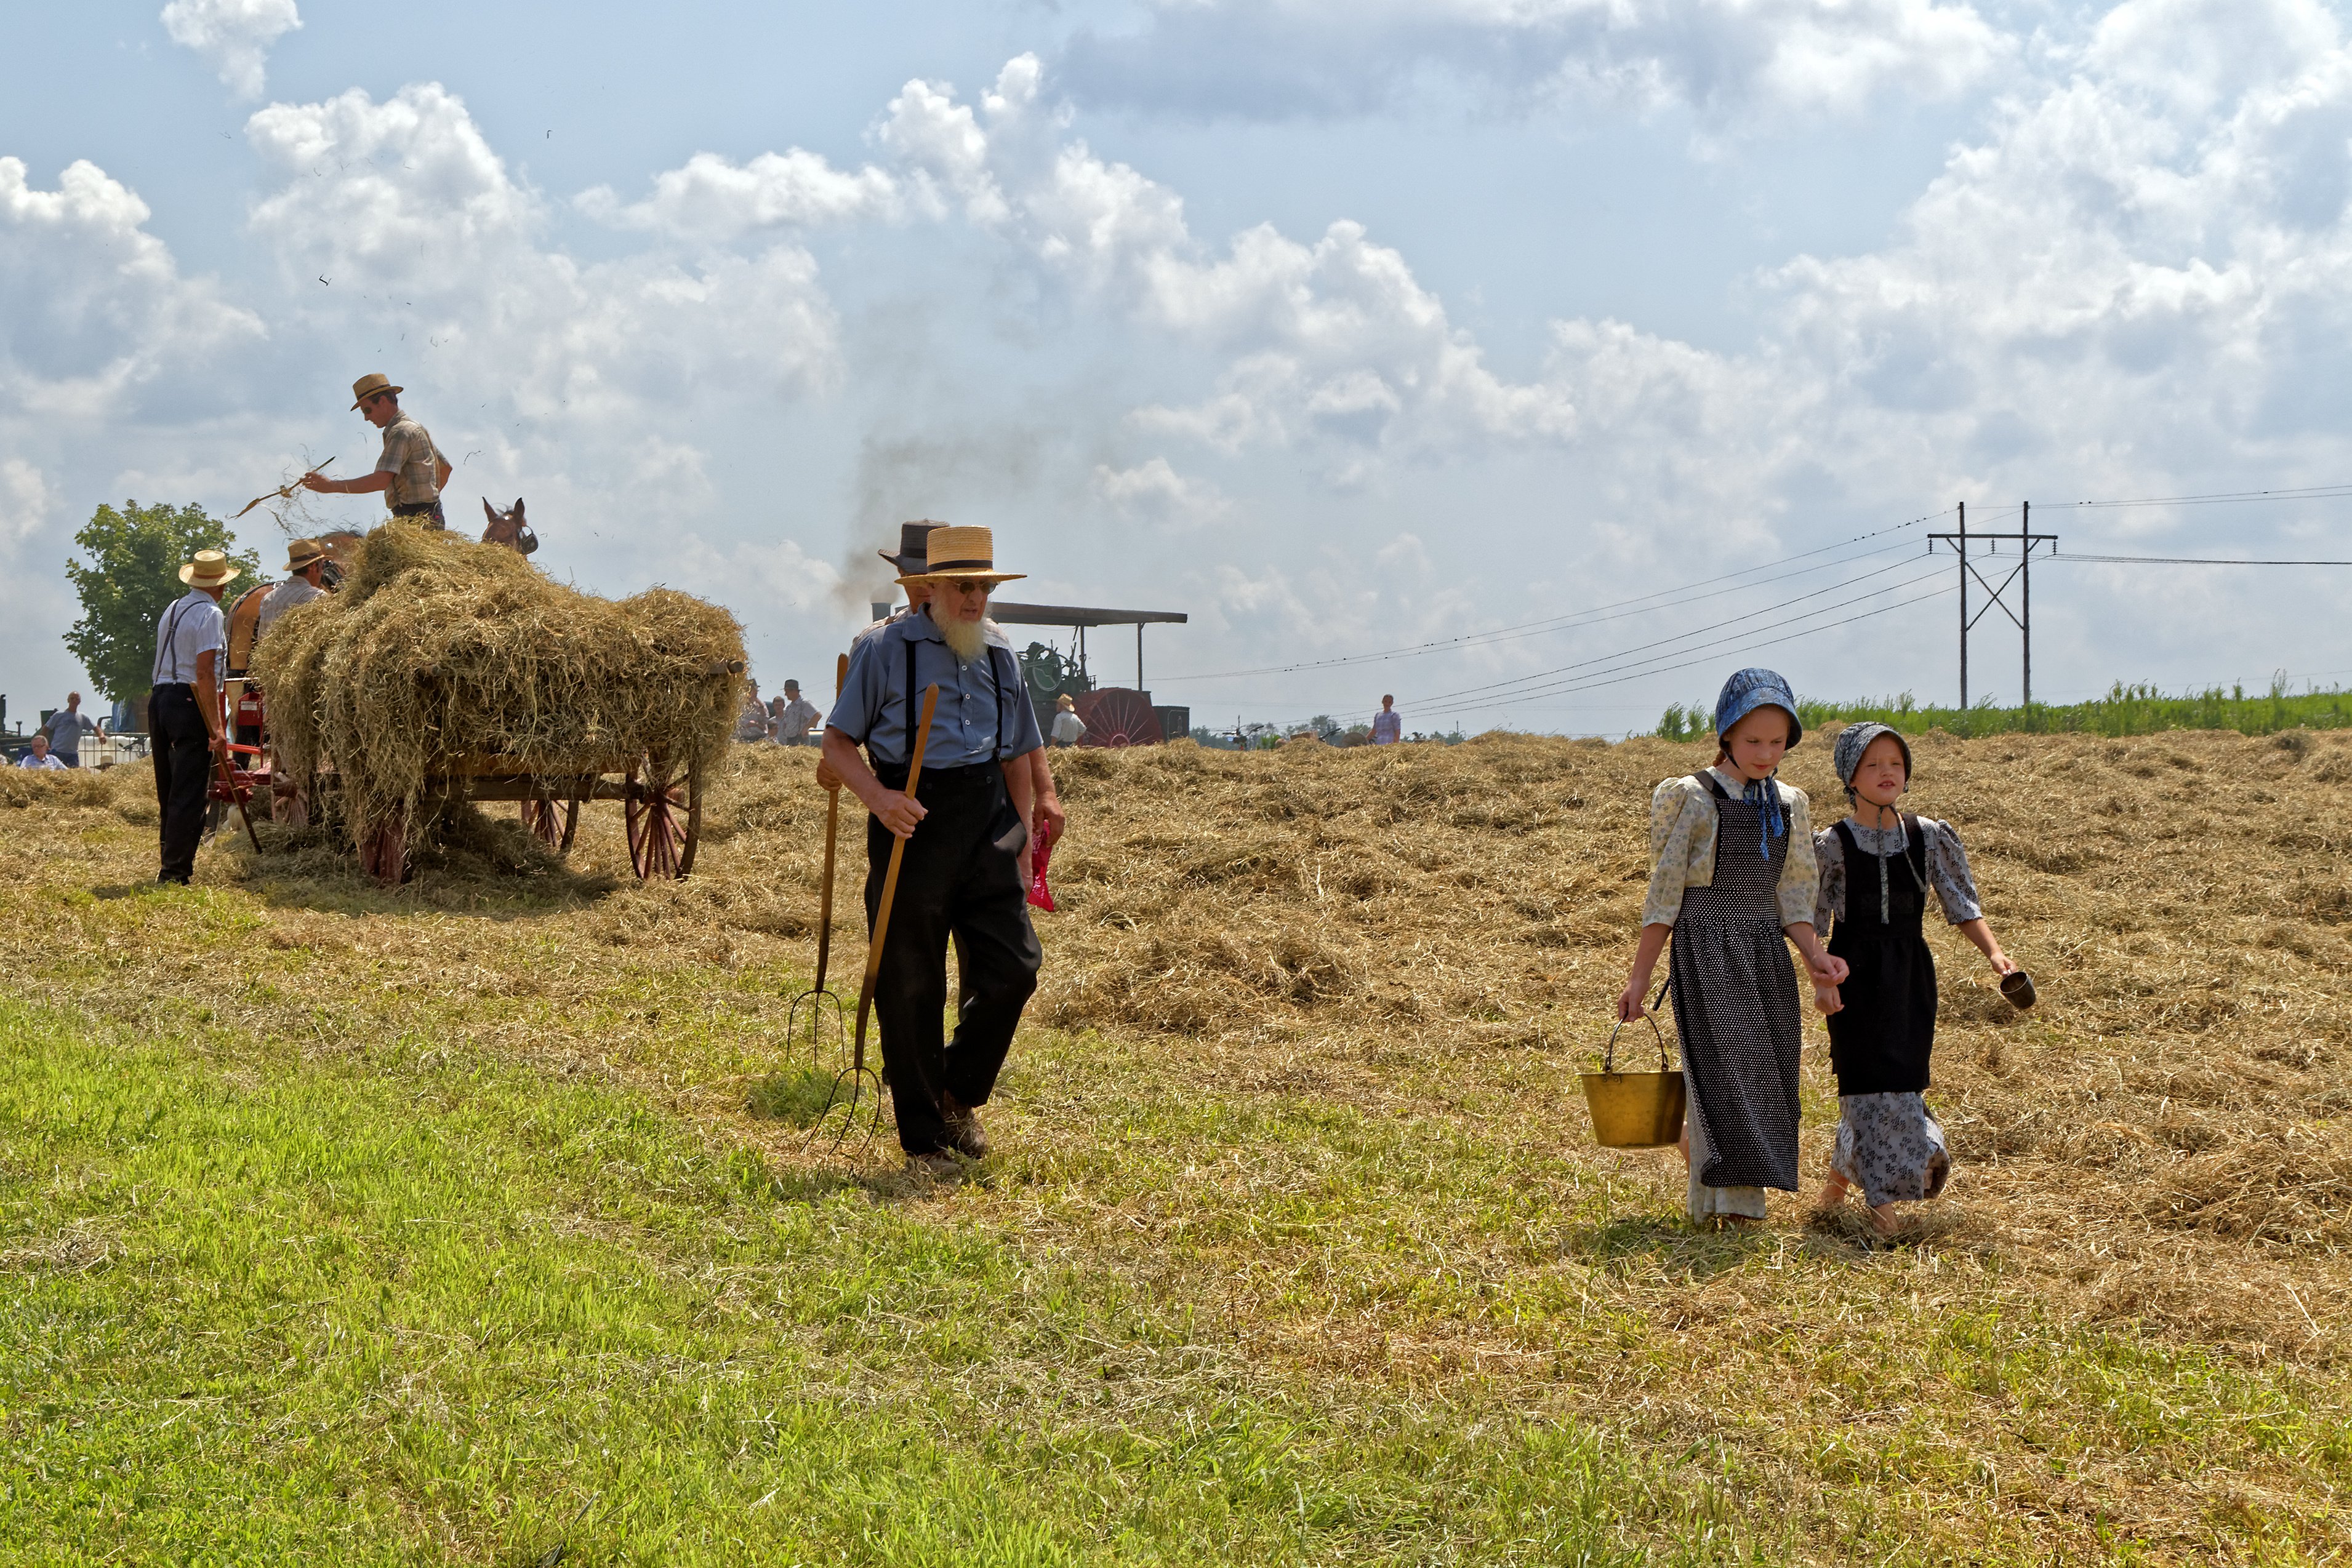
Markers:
849,1094
816,1014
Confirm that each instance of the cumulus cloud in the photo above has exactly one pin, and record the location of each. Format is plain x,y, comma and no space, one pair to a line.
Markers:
234,35
1727,58
1333,342
711,198
26,499
404,205
114,311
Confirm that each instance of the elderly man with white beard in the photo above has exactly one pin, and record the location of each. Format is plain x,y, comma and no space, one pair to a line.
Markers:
965,874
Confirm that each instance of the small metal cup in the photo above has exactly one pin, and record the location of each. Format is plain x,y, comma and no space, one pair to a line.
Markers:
2018,986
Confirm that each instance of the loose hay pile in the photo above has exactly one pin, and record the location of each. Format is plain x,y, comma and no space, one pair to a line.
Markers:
440,648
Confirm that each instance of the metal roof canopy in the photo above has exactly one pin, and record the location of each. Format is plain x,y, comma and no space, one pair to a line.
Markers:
1005,614
1080,619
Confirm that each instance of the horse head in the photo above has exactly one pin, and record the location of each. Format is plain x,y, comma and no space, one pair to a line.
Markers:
509,529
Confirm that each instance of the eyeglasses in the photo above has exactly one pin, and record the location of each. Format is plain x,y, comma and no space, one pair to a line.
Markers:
963,585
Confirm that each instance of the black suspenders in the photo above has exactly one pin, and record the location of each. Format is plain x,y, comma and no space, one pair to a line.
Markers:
995,679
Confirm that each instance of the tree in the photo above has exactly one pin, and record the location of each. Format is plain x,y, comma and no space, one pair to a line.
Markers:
132,574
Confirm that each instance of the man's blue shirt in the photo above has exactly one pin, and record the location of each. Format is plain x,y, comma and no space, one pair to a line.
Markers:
983,714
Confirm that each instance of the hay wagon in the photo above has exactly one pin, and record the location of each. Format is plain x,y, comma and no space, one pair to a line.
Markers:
661,806
449,673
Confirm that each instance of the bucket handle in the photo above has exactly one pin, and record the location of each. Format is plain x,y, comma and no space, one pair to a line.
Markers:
1609,1057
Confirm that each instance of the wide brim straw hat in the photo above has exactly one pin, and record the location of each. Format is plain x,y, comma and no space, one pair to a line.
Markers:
210,569
1753,688
911,554
1854,739
302,552
368,385
960,554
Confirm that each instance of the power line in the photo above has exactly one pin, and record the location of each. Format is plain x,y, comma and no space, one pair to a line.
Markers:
2226,497
2186,560
1618,679
1591,616
1542,675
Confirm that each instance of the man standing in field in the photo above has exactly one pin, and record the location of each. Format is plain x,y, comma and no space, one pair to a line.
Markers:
183,710
795,716
65,729
412,470
964,875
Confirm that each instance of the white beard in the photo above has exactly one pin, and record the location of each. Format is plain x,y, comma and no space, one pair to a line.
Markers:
965,639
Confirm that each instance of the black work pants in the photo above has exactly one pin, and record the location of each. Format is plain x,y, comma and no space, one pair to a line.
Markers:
960,880
182,750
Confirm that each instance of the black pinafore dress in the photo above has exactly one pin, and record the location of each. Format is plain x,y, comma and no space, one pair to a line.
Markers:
1735,1006
1881,1039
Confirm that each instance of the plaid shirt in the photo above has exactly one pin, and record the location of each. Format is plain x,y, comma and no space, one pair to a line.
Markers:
412,460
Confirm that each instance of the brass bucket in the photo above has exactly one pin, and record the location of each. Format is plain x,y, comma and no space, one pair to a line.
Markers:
1634,1110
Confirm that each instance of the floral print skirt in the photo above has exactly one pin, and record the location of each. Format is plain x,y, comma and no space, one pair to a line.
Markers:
1890,1146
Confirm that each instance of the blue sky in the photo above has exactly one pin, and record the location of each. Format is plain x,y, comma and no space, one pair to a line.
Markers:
1344,328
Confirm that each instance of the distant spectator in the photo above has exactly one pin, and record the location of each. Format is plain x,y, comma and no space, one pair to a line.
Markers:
307,560
64,732
40,756
795,716
752,723
1067,725
1388,725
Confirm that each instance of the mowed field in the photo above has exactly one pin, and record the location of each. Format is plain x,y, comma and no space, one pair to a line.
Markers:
465,1221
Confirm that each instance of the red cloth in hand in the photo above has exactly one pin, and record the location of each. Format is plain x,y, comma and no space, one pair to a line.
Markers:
1040,851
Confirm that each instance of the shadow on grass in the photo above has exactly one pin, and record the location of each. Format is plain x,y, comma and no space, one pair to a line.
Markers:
463,862
1671,1244
799,1096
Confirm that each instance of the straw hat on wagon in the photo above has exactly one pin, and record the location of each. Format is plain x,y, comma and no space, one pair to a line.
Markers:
953,552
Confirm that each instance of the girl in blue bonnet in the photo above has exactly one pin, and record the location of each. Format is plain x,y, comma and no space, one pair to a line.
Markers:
1734,881
1876,867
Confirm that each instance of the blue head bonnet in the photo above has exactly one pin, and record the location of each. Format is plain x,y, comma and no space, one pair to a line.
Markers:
1743,693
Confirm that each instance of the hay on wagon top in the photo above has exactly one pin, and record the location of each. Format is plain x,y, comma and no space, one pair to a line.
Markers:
438,648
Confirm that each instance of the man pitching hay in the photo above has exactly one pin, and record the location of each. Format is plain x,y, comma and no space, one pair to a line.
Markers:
965,875
412,470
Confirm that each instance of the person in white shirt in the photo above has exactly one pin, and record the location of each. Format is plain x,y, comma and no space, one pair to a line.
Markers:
183,709
1068,727
40,756
1388,725
306,562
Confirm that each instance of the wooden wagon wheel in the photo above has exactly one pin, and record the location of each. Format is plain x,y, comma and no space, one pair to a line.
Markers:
660,808
1116,715
552,826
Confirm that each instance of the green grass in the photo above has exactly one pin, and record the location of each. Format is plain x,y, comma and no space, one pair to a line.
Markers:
389,1307
2125,710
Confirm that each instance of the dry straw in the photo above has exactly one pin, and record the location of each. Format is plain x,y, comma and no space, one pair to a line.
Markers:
440,649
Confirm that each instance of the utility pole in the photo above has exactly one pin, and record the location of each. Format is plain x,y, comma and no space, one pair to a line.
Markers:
2028,542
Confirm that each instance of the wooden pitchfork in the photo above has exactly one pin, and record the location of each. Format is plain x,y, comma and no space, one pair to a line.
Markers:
816,1012
856,1075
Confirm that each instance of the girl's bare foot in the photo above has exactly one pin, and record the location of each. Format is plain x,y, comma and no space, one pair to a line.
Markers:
1833,1193
1884,1220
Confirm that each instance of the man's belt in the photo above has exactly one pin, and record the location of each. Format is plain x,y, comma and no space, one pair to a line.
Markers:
422,509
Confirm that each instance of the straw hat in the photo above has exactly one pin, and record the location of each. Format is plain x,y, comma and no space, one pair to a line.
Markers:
302,552
911,537
368,385
211,568
960,553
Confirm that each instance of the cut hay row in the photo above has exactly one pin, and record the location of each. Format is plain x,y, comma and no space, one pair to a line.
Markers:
440,649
